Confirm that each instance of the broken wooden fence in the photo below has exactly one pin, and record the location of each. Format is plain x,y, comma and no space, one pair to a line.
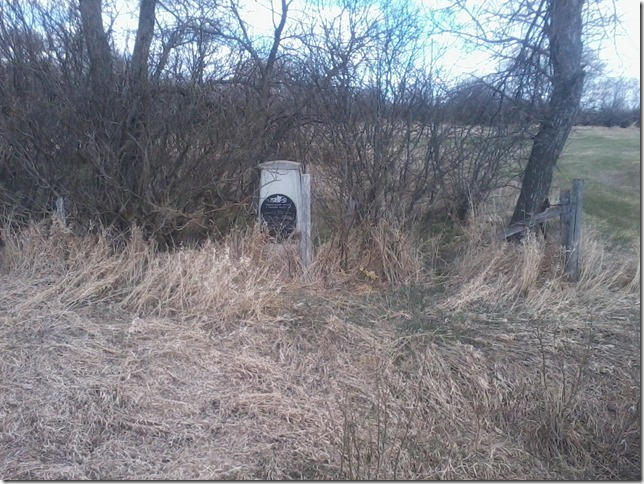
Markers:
569,210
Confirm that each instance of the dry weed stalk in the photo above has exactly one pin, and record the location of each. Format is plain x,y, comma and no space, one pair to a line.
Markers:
559,412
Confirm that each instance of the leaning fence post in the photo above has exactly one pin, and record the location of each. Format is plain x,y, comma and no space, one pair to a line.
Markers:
571,216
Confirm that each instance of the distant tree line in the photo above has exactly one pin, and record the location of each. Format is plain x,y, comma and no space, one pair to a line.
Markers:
610,117
610,101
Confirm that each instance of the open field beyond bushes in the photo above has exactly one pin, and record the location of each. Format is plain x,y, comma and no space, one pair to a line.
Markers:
227,362
609,160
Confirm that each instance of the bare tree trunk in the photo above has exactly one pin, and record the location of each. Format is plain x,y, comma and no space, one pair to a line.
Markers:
98,48
141,52
565,35
133,162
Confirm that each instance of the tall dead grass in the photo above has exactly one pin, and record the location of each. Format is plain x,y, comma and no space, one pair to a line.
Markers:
429,410
424,412
240,275
530,273
384,253
564,409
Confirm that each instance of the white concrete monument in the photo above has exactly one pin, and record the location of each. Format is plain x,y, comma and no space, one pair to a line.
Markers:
285,204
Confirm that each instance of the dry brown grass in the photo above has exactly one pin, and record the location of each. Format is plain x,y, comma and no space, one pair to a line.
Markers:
530,274
240,276
383,254
229,362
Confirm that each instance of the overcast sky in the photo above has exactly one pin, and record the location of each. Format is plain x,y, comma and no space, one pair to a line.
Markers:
623,57
619,50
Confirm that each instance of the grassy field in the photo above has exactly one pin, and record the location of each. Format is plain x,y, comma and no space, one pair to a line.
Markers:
229,362
608,159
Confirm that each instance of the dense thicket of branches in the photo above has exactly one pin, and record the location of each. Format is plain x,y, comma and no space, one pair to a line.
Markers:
169,137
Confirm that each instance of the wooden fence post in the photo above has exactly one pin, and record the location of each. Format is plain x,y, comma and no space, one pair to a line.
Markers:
60,210
571,217
564,217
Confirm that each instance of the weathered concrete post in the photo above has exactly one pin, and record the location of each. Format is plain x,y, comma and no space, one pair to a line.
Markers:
285,204
306,247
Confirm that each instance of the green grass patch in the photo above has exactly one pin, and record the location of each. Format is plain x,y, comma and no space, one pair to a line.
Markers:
608,159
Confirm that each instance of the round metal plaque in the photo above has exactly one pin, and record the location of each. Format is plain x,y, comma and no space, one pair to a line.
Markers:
280,215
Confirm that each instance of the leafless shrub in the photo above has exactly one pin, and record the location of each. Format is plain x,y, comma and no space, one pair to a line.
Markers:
171,155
